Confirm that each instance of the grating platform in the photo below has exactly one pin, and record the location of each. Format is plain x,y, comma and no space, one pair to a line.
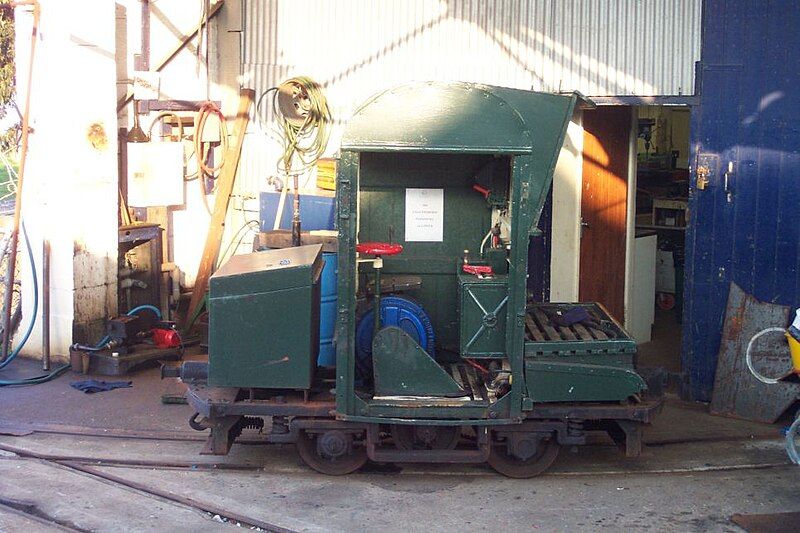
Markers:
601,334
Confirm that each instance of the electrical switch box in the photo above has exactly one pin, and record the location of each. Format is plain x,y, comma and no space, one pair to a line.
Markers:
264,319
483,306
155,174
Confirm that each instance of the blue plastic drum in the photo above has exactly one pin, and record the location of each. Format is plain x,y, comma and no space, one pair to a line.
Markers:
327,310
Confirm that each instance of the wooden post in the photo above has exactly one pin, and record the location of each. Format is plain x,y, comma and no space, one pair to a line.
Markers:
224,189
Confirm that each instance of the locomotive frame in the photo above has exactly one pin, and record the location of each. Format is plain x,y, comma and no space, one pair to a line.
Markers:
558,381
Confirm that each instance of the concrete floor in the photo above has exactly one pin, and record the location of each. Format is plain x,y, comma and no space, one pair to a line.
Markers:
696,471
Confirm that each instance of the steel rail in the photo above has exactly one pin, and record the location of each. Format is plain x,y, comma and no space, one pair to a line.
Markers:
21,430
31,513
110,461
79,464
245,521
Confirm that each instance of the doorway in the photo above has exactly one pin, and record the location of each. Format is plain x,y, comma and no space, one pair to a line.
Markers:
603,216
633,218
662,216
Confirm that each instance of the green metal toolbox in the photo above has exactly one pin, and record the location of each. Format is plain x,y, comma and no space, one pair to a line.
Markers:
482,315
264,319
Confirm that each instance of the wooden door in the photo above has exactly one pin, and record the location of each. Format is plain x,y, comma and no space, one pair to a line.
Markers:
606,145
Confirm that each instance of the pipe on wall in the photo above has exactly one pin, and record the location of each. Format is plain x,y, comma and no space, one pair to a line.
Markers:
45,304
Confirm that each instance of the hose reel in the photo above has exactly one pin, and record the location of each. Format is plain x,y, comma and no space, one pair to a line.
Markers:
302,112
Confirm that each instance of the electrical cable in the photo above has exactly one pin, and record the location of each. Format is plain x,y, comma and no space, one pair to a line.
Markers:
305,121
247,225
205,111
485,239
143,307
309,138
794,430
13,355
202,154
163,115
477,366
35,285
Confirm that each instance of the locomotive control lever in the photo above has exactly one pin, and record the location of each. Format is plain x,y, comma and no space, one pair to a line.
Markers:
378,249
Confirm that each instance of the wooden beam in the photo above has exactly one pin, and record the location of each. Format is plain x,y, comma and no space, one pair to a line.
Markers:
224,188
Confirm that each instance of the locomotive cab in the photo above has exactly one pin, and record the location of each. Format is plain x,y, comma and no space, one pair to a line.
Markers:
441,356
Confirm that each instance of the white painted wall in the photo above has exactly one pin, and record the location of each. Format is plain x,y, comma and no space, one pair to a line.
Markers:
70,186
84,64
565,252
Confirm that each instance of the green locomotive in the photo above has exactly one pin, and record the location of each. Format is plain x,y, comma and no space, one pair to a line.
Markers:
440,355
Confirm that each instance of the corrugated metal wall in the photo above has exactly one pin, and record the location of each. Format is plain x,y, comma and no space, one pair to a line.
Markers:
358,47
749,115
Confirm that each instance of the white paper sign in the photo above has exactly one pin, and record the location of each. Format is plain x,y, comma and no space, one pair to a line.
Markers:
146,85
425,215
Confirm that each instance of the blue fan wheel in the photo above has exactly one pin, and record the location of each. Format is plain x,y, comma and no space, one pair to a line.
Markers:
395,311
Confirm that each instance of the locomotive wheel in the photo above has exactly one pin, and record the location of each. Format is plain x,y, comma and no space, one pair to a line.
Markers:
331,452
425,437
511,466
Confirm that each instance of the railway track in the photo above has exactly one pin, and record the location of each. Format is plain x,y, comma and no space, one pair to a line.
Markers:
90,461
194,436
89,466
98,467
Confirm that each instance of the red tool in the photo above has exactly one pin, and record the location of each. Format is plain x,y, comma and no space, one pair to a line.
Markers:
166,338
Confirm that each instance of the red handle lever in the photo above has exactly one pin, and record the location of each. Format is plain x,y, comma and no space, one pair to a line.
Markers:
378,248
478,270
481,189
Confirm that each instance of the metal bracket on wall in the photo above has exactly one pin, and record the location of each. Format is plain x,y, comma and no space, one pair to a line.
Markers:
707,167
727,181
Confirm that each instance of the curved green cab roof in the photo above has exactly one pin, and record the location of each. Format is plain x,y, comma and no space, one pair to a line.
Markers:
459,117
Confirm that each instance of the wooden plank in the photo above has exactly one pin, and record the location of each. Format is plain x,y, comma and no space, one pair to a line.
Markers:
462,370
549,330
455,371
736,391
583,333
533,329
598,334
566,333
224,188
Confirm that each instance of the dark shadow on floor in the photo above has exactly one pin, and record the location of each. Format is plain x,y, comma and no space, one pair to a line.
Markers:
664,348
